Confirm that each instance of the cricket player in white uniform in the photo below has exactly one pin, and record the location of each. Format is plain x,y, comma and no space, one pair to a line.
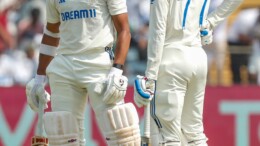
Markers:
76,55
176,70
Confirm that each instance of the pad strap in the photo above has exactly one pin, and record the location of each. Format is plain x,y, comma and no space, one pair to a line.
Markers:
64,140
124,135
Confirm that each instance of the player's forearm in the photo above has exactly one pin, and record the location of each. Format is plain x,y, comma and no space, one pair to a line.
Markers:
123,37
157,32
44,61
122,46
155,51
223,11
48,46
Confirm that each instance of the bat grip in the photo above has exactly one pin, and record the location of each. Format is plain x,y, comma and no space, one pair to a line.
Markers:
147,121
40,119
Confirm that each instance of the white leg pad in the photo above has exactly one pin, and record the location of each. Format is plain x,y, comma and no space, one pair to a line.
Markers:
121,125
61,128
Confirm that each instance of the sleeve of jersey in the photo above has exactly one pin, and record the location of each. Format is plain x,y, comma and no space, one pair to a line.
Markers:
117,6
223,11
52,12
157,30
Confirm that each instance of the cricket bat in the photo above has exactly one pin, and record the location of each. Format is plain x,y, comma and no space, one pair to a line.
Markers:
39,139
145,139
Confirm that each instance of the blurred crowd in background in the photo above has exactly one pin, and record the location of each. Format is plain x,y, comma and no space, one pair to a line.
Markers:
233,58
21,28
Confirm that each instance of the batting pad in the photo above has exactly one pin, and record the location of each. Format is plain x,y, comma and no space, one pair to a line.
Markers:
61,128
121,126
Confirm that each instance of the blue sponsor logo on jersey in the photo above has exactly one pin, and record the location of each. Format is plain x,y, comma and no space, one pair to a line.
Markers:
61,1
78,14
152,1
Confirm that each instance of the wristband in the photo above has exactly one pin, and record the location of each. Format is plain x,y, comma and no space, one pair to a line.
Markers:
119,66
48,50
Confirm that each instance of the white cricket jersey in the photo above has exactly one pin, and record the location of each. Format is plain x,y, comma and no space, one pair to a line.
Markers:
84,24
177,23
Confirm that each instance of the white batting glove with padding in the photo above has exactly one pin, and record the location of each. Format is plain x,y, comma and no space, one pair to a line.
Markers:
36,93
116,86
144,90
206,33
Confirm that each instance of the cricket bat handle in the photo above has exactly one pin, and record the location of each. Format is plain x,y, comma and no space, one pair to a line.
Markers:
39,139
40,119
145,139
147,121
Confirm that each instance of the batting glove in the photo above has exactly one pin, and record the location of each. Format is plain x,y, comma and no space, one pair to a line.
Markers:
116,86
206,33
144,90
36,93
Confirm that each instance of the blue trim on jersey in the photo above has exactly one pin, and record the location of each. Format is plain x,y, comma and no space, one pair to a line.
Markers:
202,12
157,121
94,11
185,13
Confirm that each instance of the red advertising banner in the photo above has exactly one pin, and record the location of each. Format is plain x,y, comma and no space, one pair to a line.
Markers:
231,117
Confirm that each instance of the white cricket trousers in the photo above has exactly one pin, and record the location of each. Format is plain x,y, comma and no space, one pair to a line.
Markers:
72,80
177,108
